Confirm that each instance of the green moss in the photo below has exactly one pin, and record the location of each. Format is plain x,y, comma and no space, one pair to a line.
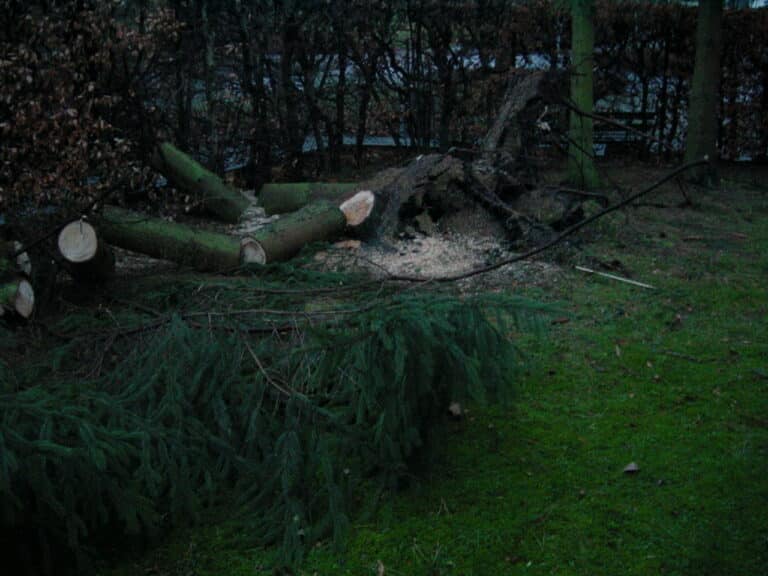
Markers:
186,173
200,249
281,197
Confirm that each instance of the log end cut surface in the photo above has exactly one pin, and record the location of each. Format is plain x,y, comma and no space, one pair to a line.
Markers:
357,209
78,242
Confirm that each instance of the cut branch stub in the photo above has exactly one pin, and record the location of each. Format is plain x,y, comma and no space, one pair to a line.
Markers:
89,259
17,296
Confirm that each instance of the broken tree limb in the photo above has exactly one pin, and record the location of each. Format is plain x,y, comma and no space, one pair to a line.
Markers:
282,197
199,249
314,222
17,296
90,260
187,174
505,133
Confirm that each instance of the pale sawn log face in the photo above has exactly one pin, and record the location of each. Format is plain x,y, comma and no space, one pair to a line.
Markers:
78,242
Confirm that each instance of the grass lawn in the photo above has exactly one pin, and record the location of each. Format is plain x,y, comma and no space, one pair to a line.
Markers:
674,379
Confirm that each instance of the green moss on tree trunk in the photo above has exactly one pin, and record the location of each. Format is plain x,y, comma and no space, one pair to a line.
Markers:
314,222
199,249
184,172
581,168
278,198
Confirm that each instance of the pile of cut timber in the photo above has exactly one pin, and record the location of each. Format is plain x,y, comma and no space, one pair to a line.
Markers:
85,245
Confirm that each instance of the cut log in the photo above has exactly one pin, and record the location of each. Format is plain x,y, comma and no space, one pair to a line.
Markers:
314,222
90,260
17,296
199,249
279,198
184,172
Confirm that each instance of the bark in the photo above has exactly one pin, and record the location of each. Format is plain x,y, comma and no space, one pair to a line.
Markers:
322,220
278,198
505,133
199,249
702,114
336,143
259,168
89,259
581,168
211,100
185,173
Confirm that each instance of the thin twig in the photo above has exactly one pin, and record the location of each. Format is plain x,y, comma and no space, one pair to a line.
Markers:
605,120
614,277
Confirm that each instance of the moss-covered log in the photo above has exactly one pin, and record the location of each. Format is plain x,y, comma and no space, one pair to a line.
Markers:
199,249
184,172
313,223
282,197
90,260
17,296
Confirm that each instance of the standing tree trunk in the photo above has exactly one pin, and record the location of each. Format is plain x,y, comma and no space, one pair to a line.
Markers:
211,97
336,141
581,168
702,113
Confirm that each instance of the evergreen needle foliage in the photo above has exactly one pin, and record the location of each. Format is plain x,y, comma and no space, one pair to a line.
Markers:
183,414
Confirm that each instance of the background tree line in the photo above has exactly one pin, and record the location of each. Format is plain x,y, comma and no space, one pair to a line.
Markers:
86,87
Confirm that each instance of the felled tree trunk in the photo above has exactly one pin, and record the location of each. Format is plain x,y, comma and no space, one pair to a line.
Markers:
184,172
279,198
89,259
314,222
17,296
212,251
199,249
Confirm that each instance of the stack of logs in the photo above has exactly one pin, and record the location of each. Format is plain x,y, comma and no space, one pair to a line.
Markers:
85,244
